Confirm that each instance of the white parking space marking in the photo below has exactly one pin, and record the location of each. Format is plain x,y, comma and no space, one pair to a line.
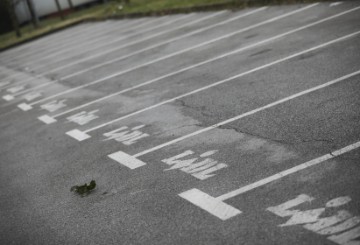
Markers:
201,169
77,134
314,219
32,95
86,45
103,44
202,199
24,107
162,43
130,162
83,117
210,204
74,40
23,50
126,135
121,47
85,132
142,40
46,119
104,52
153,46
175,54
54,105
335,4
203,63
15,89
112,49
8,97
122,160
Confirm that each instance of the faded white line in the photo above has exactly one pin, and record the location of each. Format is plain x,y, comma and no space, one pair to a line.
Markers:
335,4
76,39
145,49
123,160
177,53
79,30
221,82
251,112
112,50
289,171
113,41
154,27
211,204
89,44
202,63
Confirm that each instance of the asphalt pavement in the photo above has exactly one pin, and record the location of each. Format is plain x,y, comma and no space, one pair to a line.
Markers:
227,127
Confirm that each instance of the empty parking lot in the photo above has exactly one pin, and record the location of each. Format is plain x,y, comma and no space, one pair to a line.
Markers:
227,127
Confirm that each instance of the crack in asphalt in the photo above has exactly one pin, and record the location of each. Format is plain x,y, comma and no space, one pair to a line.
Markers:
227,127
198,109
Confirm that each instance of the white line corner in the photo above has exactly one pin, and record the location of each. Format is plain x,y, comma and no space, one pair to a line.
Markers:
8,97
127,160
210,204
47,119
78,135
25,107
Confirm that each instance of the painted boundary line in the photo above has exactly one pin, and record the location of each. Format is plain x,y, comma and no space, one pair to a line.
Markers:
49,47
25,106
92,41
96,33
142,50
37,76
95,55
102,52
82,135
51,119
113,60
9,54
124,158
216,205
131,44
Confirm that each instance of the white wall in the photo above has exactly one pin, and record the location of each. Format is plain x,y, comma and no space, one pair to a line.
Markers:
44,7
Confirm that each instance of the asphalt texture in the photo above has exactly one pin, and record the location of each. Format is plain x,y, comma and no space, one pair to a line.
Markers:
229,127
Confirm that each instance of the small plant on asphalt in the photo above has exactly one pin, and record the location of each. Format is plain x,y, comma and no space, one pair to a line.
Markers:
85,189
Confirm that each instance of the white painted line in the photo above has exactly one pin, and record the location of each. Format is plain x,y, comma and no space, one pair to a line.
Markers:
210,204
25,107
126,160
174,54
46,119
335,4
89,44
247,113
172,73
289,171
73,43
78,135
217,83
8,97
165,42
202,199
116,40
104,52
